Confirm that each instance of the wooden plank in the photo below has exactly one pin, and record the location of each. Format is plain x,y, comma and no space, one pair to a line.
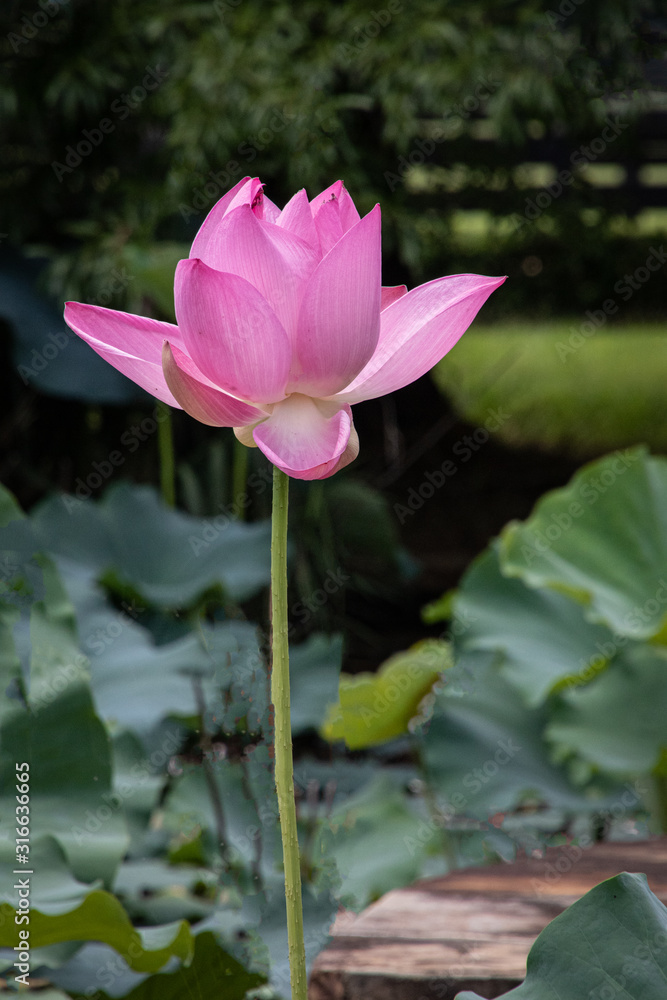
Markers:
471,929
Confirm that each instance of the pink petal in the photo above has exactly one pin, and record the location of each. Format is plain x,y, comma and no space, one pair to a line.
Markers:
304,437
199,397
418,329
231,333
334,213
339,321
132,344
271,211
251,195
272,259
297,218
213,219
390,293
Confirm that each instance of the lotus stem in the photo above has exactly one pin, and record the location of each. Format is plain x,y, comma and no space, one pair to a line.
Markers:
284,767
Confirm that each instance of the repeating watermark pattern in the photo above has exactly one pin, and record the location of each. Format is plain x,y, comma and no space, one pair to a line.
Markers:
120,108
633,622
555,19
625,288
304,609
61,339
363,34
424,148
473,782
130,440
225,7
211,528
33,24
589,492
464,449
216,183
627,804
113,801
581,157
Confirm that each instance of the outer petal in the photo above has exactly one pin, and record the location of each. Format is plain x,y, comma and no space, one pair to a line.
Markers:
339,321
297,218
417,331
132,344
231,333
390,293
199,397
304,437
213,220
272,259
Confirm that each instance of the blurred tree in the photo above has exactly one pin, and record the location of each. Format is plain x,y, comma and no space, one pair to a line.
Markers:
124,122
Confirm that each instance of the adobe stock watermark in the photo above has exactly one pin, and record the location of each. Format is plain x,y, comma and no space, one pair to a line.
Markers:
365,33
634,622
535,207
121,108
218,181
474,781
464,449
304,609
570,854
113,801
565,10
625,288
33,24
212,527
131,440
589,492
225,7
424,148
58,341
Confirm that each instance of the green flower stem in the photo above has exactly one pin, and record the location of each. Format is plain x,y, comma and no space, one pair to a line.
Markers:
284,770
165,442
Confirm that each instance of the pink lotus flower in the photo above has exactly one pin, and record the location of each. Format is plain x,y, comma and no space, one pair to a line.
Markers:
283,323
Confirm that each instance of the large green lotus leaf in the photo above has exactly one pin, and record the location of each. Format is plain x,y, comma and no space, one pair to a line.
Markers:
611,943
603,540
542,637
374,708
484,749
169,558
374,839
58,732
64,909
212,973
619,722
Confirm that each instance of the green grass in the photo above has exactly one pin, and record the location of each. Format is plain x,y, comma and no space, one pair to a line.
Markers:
610,392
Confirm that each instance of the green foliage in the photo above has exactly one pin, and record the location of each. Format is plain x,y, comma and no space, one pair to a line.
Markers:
611,942
148,760
603,541
571,605
232,89
572,402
